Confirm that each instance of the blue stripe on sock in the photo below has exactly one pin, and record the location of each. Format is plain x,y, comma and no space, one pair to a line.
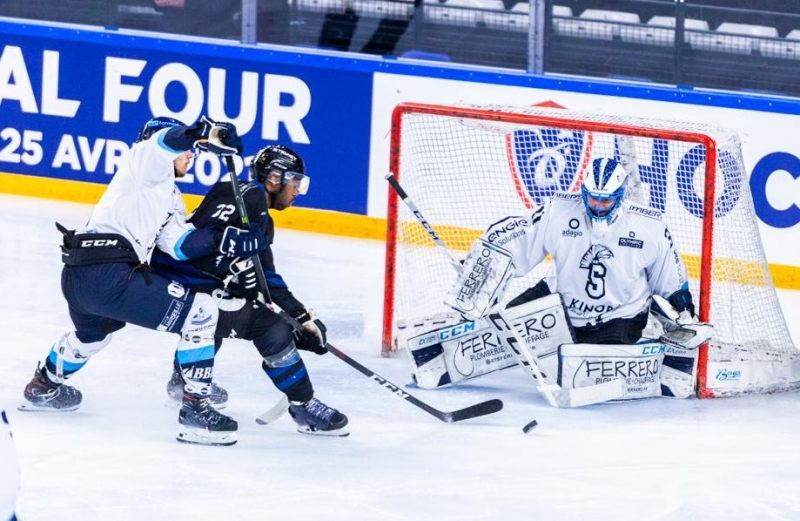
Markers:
292,379
190,356
69,367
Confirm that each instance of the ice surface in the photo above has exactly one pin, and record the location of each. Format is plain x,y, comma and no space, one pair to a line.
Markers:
117,458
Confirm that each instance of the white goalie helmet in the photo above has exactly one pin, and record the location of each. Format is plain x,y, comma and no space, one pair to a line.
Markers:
604,189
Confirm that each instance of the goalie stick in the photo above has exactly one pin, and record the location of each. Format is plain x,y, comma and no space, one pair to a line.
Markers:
473,411
555,395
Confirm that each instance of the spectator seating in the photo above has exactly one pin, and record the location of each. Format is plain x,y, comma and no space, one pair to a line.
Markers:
787,47
732,37
597,24
392,10
515,19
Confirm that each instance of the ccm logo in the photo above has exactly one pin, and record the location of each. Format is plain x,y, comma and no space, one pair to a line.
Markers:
99,242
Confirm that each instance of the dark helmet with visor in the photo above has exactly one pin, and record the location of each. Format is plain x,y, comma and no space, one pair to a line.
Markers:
282,161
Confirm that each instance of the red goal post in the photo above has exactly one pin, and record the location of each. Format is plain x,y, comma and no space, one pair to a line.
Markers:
469,166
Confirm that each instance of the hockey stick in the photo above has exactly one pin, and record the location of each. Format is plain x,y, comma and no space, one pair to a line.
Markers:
555,395
240,206
274,412
395,184
473,411
280,408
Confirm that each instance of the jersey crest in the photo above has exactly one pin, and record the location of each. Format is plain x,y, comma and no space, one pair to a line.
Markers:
592,261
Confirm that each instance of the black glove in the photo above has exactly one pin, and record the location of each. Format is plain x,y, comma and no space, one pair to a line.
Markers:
242,243
313,337
245,272
217,138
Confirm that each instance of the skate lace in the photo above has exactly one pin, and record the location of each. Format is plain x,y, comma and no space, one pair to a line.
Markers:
319,410
208,413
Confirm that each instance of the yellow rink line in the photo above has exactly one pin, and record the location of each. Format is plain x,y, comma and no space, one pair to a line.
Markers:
353,225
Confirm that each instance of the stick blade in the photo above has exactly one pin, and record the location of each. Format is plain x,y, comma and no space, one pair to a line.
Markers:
274,412
473,411
581,396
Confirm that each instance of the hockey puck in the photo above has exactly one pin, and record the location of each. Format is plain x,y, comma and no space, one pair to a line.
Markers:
530,426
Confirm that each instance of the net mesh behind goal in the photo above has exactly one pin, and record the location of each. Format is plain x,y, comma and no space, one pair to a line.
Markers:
468,167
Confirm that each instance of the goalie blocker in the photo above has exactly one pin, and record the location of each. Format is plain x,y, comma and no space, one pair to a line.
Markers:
447,349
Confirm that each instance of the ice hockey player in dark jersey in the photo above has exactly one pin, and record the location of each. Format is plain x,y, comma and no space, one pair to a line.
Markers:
108,283
277,177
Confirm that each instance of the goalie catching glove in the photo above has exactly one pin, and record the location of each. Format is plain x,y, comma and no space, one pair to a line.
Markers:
681,329
314,335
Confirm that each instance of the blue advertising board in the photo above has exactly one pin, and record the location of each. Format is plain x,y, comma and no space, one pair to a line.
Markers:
72,102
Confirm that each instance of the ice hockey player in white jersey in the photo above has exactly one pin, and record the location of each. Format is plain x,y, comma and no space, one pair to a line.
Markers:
9,471
108,282
610,257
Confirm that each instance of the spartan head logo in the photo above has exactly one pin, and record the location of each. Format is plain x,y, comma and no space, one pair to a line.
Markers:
544,160
592,261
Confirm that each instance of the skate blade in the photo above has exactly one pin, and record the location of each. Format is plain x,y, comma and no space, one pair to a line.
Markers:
337,433
204,437
29,407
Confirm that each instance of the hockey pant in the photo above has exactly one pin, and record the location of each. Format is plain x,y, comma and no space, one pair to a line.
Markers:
615,331
272,336
102,298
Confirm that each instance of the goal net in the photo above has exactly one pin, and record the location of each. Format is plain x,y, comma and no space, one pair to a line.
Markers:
468,167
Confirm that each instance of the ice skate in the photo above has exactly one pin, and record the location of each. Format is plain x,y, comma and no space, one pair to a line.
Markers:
204,425
42,394
218,397
314,417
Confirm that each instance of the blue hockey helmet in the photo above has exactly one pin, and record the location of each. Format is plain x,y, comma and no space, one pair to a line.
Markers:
603,189
154,125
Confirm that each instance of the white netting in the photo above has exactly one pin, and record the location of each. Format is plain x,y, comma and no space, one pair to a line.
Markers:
468,167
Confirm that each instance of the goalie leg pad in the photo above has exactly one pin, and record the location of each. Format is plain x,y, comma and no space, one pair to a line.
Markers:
638,365
456,351
678,373
482,280
544,325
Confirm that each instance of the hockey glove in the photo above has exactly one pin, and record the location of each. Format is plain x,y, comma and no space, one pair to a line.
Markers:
245,272
313,337
217,138
242,243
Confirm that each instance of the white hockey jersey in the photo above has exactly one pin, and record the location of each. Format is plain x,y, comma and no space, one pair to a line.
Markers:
142,202
9,470
602,272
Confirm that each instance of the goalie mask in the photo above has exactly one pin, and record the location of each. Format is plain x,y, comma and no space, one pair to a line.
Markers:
604,189
283,162
154,125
